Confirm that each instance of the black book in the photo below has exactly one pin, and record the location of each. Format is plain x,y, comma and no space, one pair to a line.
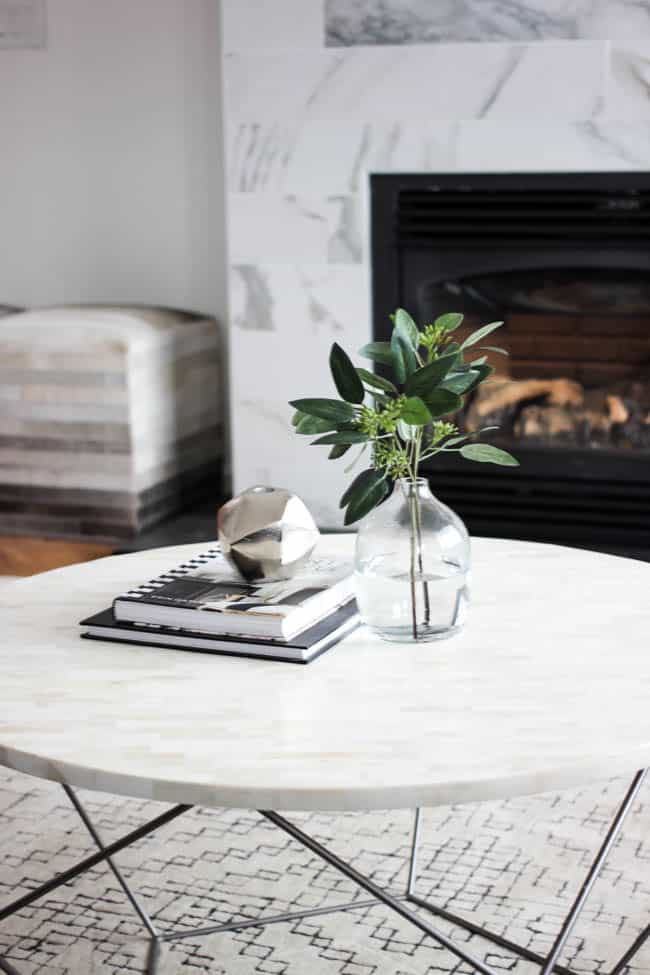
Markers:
301,650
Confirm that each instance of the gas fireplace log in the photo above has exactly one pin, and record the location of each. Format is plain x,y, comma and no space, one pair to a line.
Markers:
501,402
561,411
577,426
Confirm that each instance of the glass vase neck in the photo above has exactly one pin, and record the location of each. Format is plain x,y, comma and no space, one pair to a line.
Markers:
414,485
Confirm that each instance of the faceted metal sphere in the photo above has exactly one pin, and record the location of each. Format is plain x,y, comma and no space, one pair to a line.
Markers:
266,533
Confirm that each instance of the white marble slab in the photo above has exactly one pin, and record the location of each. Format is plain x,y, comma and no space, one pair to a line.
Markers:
424,21
452,81
547,688
628,88
285,318
302,303
333,156
530,146
286,228
306,124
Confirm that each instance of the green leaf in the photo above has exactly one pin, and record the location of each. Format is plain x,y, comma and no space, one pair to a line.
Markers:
483,373
410,358
406,430
460,366
377,382
485,453
452,441
494,348
415,412
440,402
362,479
378,352
338,450
346,380
450,321
296,418
382,399
460,382
359,509
311,425
406,328
397,353
365,492
404,358
342,436
426,379
480,334
475,363
326,409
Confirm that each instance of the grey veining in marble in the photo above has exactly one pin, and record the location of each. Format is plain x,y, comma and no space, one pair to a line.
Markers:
434,21
307,227
547,687
327,156
535,146
345,245
628,90
257,310
451,82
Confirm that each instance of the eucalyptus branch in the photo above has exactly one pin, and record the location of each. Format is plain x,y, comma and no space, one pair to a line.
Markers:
429,382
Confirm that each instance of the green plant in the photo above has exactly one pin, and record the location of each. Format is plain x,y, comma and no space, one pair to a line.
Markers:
403,420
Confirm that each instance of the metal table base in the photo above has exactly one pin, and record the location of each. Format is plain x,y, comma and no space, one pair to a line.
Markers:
403,904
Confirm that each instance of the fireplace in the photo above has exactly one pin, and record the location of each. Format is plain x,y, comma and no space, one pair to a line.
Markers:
564,261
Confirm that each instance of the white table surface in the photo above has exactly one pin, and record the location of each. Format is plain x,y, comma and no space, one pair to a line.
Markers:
549,686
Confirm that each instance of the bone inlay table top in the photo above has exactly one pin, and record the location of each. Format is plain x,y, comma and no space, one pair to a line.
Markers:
549,686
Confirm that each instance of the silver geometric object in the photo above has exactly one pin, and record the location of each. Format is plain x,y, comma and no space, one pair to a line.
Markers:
266,533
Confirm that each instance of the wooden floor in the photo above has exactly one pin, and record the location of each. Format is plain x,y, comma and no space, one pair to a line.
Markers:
24,556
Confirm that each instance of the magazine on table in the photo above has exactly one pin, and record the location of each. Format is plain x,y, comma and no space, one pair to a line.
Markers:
204,594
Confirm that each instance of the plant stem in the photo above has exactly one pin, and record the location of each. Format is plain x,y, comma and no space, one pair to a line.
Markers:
412,502
418,528
425,584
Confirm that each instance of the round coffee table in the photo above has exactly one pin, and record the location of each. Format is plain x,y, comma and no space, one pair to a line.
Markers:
548,687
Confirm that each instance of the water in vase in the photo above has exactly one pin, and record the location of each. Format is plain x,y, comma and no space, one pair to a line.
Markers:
385,598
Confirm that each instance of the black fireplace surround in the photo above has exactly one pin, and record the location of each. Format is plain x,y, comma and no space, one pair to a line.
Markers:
477,243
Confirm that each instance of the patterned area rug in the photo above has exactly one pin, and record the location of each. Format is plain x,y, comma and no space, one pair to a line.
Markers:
514,866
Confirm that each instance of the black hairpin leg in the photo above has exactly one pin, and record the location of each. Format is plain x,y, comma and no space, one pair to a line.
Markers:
547,963
638,943
104,854
7,968
399,904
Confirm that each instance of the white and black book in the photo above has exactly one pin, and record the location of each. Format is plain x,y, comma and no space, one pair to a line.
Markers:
206,595
309,645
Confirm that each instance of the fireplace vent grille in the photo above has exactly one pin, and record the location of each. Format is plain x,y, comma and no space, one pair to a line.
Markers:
530,504
427,215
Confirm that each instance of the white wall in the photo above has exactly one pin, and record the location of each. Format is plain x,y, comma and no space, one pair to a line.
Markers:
110,157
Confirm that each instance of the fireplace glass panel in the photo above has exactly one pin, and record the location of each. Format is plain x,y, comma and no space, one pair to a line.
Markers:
564,260
578,369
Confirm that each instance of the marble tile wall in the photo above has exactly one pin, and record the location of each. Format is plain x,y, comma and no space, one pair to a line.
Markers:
426,22
555,86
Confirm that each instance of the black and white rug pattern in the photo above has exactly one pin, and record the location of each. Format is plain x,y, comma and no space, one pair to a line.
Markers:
514,866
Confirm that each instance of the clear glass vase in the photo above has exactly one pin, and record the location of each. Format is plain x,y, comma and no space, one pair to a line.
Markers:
412,563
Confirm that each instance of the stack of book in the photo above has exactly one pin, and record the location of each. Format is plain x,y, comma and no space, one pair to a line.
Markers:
111,418
203,605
